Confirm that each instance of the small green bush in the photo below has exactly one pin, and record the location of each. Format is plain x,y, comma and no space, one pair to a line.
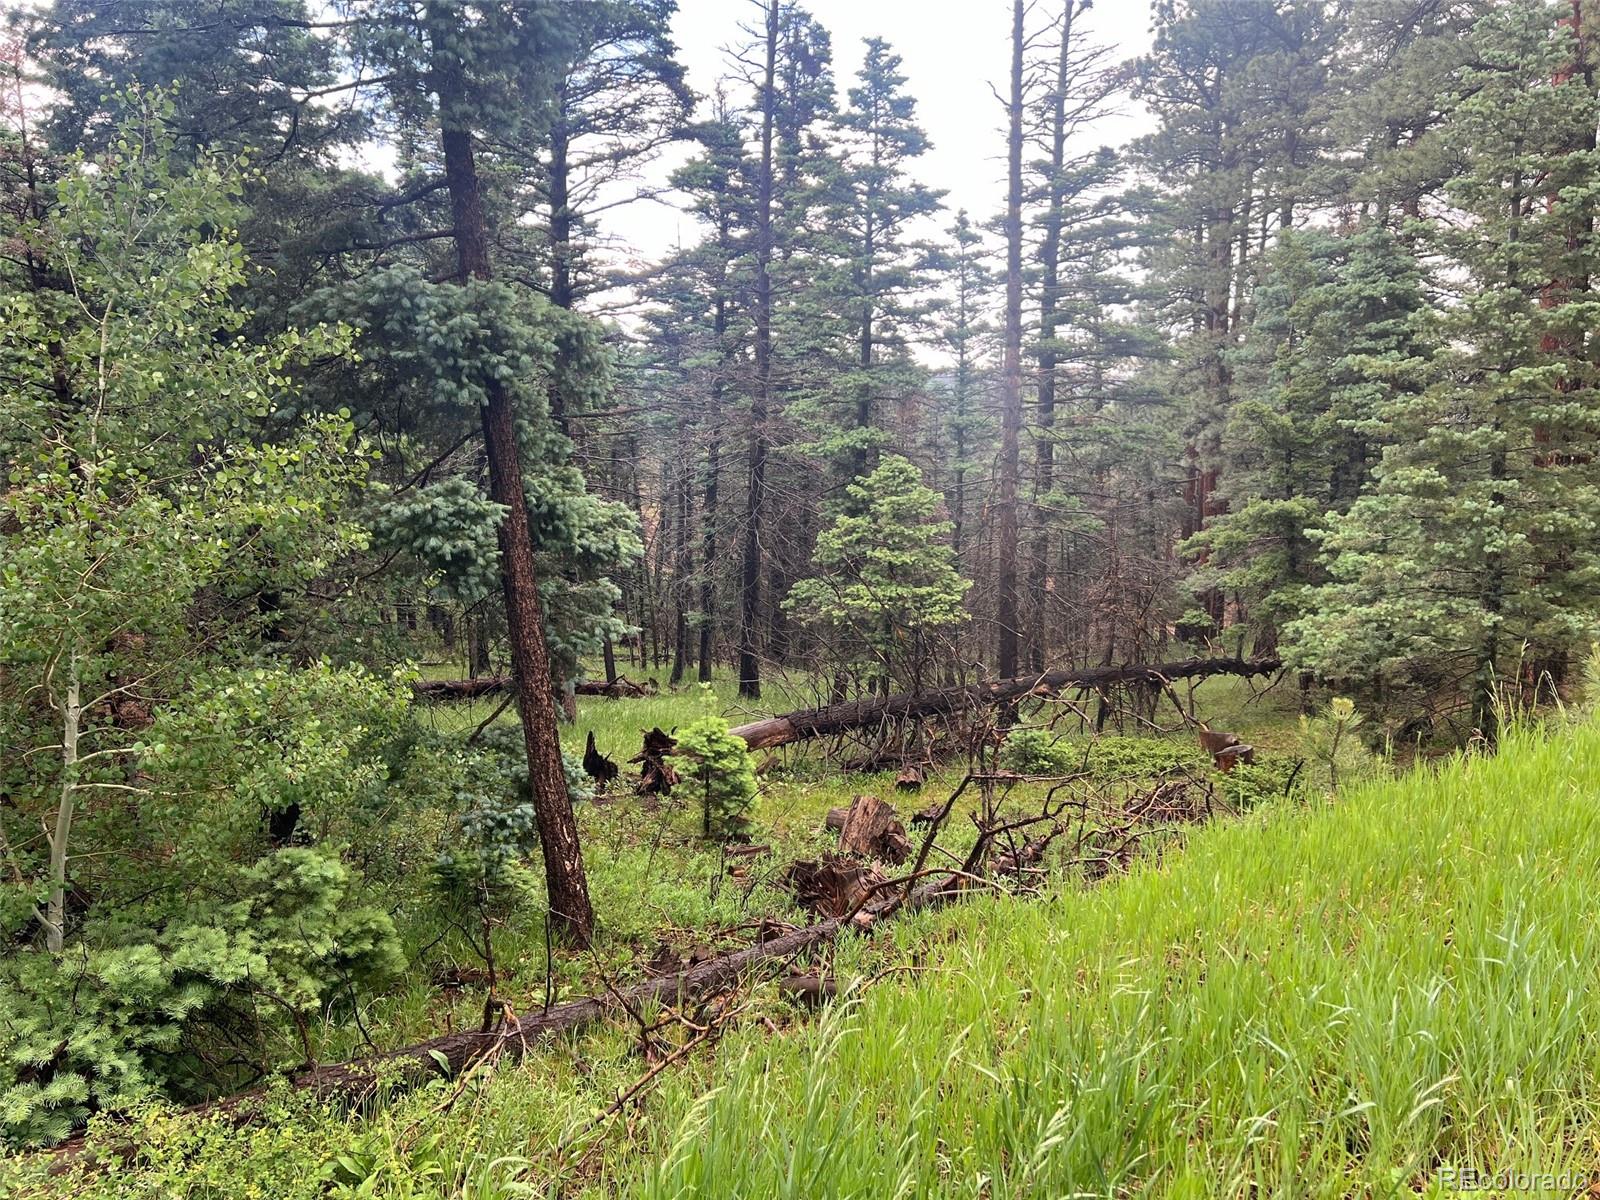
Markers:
493,829
1119,758
1250,784
1038,752
104,1029
725,772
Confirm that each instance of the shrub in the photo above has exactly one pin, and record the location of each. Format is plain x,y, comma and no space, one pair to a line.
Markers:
1038,752
1117,758
494,829
1250,784
726,773
102,1029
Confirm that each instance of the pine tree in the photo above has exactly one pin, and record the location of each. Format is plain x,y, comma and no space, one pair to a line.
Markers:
1080,89
793,93
1240,92
888,595
967,336
875,277
1334,344
718,184
1474,556
477,78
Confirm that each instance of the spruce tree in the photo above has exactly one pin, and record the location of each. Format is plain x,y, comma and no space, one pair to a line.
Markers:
963,419
876,275
1474,557
888,596
1334,345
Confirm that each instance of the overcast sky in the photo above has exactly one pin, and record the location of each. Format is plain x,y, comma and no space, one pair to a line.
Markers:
954,52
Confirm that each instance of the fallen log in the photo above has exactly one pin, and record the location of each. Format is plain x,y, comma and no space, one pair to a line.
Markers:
459,689
453,1053
857,714
469,689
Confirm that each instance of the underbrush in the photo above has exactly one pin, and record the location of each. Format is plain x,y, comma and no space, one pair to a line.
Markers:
1319,998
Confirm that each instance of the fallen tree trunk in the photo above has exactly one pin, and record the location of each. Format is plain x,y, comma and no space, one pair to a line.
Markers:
857,714
460,689
453,1053
469,689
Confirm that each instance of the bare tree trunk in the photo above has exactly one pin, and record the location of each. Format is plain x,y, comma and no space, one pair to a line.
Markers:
1011,395
682,572
1049,320
760,401
477,644
708,543
571,915
55,925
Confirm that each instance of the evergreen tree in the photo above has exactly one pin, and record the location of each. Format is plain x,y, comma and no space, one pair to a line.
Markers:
793,92
718,185
889,595
1474,555
964,423
484,76
876,276
1333,346
1068,184
1007,620
1241,94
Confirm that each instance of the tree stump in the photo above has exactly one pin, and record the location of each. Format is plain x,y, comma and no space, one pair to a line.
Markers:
872,830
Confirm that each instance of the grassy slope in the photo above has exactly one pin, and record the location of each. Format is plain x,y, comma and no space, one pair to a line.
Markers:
1319,1002
1325,1002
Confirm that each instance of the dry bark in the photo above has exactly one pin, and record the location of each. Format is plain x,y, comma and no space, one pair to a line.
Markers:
656,775
833,885
871,829
596,765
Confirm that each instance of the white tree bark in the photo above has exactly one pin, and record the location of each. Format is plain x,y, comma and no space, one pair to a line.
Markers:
56,912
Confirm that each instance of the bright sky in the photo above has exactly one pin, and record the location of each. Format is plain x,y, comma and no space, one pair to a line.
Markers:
953,52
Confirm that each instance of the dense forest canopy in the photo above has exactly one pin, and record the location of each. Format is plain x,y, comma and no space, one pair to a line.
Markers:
318,370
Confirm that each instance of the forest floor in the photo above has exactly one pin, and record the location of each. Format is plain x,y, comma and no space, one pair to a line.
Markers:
1316,996
658,885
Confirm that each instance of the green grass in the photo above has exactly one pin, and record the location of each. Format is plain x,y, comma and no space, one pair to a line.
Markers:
1319,1003
1327,1000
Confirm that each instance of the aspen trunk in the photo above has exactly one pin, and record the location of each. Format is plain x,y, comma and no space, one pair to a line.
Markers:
56,911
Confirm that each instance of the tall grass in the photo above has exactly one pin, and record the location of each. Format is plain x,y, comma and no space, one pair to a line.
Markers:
1324,1002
